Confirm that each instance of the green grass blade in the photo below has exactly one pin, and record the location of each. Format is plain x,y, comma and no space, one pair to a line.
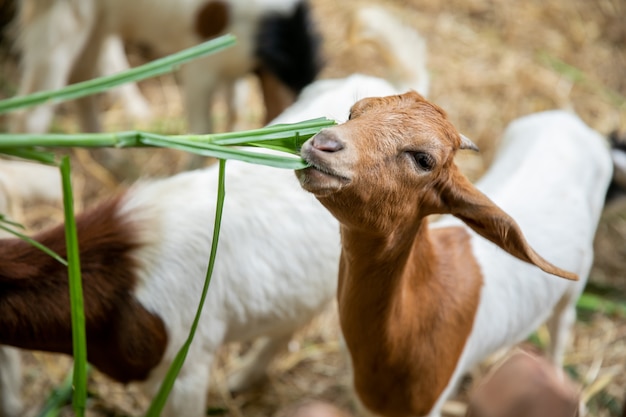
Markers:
283,137
3,219
168,382
32,155
76,294
59,397
274,132
287,138
598,304
32,242
9,141
223,152
97,85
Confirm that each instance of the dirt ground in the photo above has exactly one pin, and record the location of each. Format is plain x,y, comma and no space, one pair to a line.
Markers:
490,62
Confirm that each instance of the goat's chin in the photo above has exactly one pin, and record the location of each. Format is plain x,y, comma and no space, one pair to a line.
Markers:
320,183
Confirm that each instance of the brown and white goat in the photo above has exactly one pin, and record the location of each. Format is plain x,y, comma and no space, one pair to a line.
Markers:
420,305
143,259
62,42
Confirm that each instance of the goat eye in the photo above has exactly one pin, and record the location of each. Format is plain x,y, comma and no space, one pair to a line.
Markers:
350,116
424,160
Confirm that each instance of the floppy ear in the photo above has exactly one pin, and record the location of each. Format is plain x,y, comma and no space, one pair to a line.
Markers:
464,201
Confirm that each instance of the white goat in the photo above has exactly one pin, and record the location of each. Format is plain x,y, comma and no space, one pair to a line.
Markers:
61,42
144,256
420,305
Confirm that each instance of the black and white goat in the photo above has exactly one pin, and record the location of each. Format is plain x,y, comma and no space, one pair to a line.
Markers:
64,41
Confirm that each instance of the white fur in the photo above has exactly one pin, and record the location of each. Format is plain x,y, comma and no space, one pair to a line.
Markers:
112,61
263,284
26,182
64,40
10,382
371,25
551,175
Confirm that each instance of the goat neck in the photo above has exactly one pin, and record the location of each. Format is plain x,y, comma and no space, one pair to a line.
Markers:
401,302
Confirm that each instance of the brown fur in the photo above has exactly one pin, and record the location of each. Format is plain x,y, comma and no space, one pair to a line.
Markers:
212,19
124,340
407,294
479,213
406,324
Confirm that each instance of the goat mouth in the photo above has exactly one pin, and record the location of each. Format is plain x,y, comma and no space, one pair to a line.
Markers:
321,180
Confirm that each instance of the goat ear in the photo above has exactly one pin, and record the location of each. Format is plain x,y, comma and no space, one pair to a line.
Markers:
467,203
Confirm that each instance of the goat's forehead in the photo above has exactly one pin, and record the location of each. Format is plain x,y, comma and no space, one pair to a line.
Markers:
409,100
402,126
408,111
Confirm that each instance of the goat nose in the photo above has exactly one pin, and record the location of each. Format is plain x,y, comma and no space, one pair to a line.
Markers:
327,142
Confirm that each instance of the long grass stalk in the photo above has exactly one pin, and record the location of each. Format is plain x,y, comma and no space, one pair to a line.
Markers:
79,340
267,133
168,382
28,239
287,138
98,85
32,155
127,139
225,152
283,132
